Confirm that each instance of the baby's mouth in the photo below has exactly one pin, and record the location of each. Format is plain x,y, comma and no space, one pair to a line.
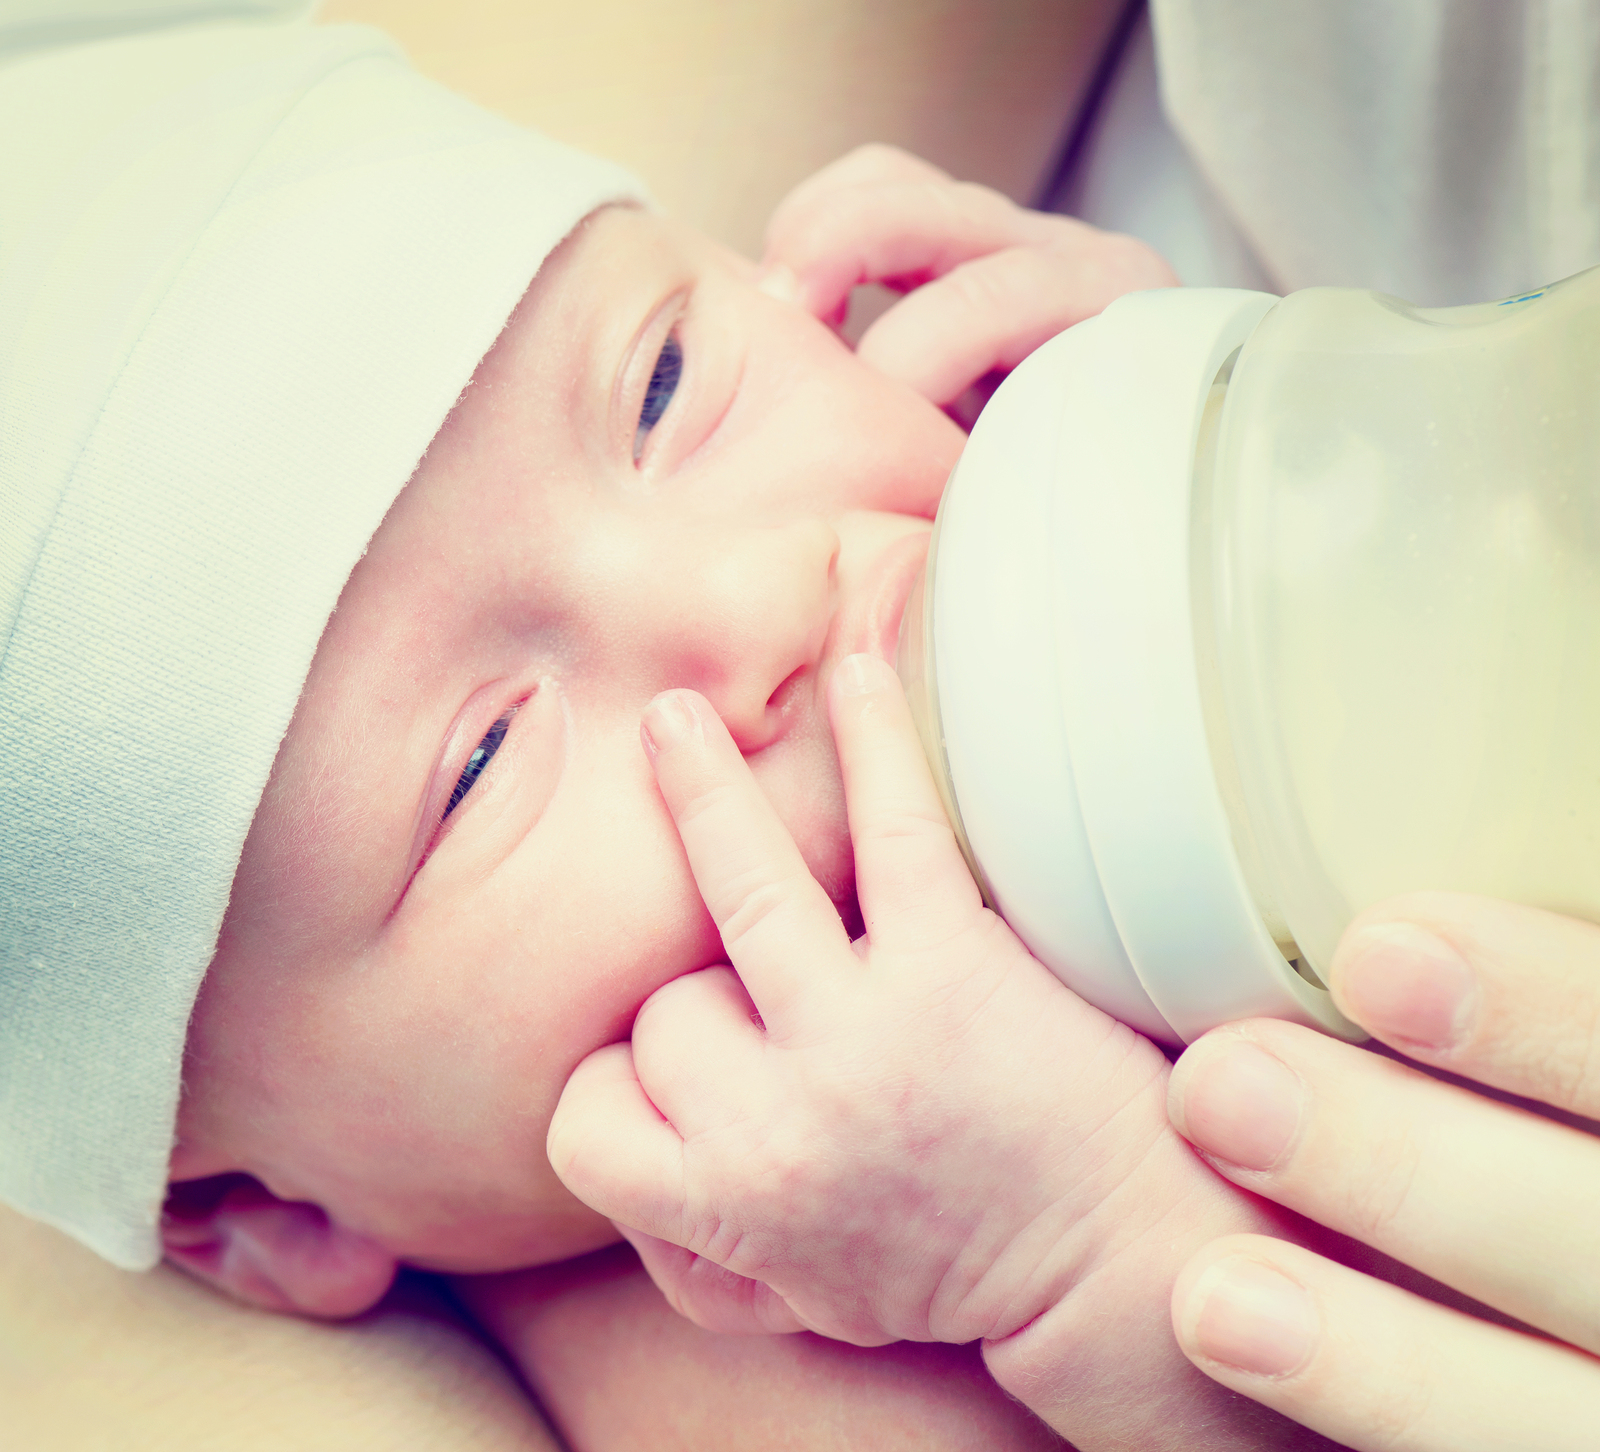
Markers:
868,617
849,909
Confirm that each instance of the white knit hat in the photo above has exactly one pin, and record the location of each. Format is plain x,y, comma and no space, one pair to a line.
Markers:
245,271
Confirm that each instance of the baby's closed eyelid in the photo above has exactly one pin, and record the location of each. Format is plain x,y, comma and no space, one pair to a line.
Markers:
442,789
504,808
640,367
477,763
659,392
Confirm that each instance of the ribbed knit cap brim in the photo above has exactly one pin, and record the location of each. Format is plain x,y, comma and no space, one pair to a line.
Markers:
245,272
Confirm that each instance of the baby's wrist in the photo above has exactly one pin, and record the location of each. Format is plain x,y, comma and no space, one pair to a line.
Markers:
1101,1364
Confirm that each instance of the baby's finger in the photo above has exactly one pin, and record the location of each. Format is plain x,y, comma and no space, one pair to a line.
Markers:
701,1291
1371,1366
992,312
1467,1190
1505,995
778,926
871,165
913,886
611,1147
697,1051
900,232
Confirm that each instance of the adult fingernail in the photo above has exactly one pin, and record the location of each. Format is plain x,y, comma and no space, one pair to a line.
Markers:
859,674
1400,981
1236,1102
668,719
1250,1316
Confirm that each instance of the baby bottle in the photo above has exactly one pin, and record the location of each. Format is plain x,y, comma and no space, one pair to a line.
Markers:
1242,613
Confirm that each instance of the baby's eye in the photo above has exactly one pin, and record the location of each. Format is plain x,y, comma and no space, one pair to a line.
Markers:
482,754
663,384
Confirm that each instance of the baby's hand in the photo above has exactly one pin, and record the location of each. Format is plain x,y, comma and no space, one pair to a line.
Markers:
902,1138
986,281
921,1135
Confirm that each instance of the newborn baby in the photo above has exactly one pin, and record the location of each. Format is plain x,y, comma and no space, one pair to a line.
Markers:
607,463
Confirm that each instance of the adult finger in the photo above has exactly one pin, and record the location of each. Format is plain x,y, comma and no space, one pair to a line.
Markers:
778,925
898,232
1487,1198
1508,996
611,1147
713,1298
992,312
1371,1366
912,884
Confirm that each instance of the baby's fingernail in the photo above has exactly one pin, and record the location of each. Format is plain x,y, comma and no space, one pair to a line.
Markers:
1250,1316
668,719
859,674
1402,982
1236,1102
779,280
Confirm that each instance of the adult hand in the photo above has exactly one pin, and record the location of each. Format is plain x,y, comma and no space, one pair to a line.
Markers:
986,281
1497,1202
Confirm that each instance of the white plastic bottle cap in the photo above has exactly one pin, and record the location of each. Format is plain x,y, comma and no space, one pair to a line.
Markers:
1069,701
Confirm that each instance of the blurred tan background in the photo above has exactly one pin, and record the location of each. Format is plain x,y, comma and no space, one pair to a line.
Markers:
722,105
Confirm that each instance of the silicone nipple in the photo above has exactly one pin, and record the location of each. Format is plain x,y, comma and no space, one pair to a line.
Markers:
914,664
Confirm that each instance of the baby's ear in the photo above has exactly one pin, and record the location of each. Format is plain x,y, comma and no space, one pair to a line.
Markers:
233,1232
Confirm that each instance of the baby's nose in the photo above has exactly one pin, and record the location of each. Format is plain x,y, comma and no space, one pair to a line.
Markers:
751,621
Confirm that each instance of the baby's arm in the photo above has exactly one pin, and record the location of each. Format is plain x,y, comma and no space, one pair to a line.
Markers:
617,1370
923,1135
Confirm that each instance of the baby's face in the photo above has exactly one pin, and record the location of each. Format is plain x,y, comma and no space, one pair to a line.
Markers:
400,994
